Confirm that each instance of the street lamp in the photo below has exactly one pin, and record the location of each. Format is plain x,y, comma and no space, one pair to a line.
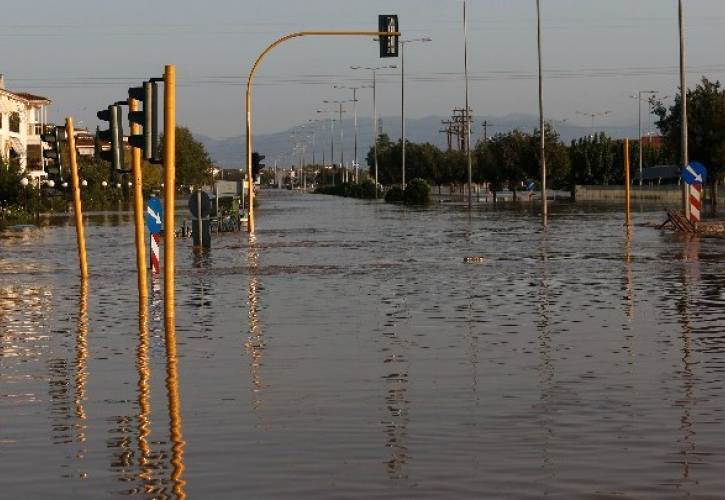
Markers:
103,183
354,101
342,134
24,182
639,127
332,140
403,43
84,183
375,116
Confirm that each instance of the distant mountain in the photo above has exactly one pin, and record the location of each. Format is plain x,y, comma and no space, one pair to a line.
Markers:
279,146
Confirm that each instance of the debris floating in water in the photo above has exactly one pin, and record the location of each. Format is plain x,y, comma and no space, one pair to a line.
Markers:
473,260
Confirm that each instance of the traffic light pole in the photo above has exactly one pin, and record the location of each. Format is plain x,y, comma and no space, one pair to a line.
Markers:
169,201
80,233
251,223
138,211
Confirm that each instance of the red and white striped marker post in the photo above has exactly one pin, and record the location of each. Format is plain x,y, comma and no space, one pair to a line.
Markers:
695,202
155,254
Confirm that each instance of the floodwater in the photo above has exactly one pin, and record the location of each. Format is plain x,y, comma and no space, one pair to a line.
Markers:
349,352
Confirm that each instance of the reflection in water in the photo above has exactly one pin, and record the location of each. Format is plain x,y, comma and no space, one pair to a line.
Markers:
145,463
255,342
396,378
628,264
546,363
174,402
690,277
68,416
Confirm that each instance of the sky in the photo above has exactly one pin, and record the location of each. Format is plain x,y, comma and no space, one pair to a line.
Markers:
84,54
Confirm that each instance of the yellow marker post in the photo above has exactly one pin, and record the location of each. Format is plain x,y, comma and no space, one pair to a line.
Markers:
169,197
138,211
627,187
80,233
250,223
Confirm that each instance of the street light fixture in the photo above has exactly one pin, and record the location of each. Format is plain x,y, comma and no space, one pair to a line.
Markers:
403,43
342,133
375,115
639,127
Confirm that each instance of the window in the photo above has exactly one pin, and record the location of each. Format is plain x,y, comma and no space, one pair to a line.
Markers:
15,122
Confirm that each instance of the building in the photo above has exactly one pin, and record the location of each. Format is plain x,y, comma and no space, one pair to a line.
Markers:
22,119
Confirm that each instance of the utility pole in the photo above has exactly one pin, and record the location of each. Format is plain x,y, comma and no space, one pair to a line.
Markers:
485,130
640,146
468,116
683,100
542,152
403,43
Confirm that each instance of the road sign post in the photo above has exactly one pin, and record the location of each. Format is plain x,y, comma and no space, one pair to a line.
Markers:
694,176
154,217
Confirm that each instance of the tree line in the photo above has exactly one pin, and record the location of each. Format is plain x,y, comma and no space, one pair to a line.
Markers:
510,160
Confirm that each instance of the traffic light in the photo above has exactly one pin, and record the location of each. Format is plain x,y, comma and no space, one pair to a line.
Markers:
53,153
114,135
388,44
148,118
257,165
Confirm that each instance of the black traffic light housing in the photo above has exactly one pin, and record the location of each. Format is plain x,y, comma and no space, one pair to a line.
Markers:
53,139
114,135
389,45
257,165
148,118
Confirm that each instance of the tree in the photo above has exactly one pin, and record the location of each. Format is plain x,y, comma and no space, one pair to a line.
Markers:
193,166
592,161
558,165
706,129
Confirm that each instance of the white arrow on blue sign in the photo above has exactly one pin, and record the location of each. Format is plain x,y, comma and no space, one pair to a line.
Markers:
695,173
154,214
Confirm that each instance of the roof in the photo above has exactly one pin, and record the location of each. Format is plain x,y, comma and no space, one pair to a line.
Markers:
661,172
30,97
26,96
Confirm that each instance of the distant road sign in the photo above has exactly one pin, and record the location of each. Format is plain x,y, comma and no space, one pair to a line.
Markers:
200,209
695,173
154,214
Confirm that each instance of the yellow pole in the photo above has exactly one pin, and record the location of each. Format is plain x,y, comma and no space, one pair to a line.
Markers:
80,233
169,197
138,211
627,192
169,285
250,224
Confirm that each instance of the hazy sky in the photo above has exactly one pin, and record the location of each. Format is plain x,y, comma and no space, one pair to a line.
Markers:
84,54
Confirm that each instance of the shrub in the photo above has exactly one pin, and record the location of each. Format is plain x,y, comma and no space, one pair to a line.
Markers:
394,195
417,192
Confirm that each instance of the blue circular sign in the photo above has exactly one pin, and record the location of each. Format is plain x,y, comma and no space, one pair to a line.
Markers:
695,173
154,216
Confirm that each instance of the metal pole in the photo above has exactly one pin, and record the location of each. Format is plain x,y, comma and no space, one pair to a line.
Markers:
468,117
402,100
375,133
199,223
683,100
639,137
354,104
544,201
80,233
248,96
342,145
627,187
169,203
138,211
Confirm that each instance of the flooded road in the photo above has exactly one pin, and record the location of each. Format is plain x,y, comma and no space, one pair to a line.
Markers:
349,352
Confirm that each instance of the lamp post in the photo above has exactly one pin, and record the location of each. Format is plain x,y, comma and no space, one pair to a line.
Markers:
403,43
332,141
683,101
342,134
639,129
375,116
468,116
542,152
